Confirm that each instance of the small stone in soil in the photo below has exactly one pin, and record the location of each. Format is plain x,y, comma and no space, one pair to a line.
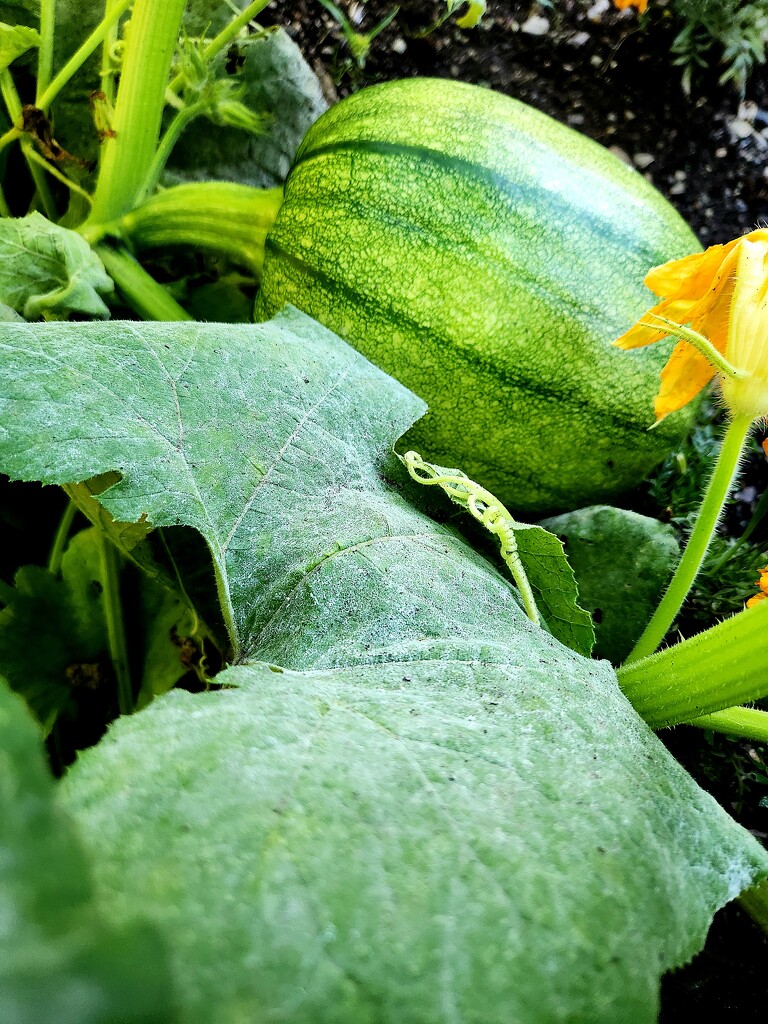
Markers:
535,26
740,129
621,154
597,10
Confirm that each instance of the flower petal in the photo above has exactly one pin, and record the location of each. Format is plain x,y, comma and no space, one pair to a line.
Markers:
709,316
671,277
748,334
637,336
685,374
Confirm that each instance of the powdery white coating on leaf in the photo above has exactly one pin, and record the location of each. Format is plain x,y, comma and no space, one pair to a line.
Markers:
446,841
243,432
441,814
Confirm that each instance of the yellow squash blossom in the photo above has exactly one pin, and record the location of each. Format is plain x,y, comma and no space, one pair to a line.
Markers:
722,296
762,583
641,5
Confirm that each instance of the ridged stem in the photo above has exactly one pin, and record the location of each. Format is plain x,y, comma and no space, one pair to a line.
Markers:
107,75
170,137
217,216
83,52
722,667
710,510
747,723
139,107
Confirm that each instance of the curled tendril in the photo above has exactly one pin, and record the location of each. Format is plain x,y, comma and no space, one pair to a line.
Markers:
486,509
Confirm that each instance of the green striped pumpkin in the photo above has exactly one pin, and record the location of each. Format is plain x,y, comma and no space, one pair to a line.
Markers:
486,256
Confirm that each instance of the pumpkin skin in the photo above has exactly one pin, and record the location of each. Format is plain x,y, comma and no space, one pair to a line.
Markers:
486,256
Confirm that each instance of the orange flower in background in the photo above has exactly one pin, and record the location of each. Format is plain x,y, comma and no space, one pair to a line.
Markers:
722,294
762,583
622,5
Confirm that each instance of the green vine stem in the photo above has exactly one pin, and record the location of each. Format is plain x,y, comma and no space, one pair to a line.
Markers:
45,50
139,107
170,137
746,723
61,538
83,52
695,340
722,479
33,157
113,613
486,509
13,105
218,216
142,293
715,670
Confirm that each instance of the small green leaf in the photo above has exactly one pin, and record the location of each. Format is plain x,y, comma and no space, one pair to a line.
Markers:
15,40
52,631
622,561
59,959
556,589
169,627
47,271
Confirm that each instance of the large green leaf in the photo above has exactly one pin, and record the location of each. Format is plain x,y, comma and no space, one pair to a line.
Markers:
441,813
138,399
59,958
451,840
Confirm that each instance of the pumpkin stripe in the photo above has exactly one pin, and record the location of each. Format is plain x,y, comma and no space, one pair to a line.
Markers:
612,233
474,359
487,258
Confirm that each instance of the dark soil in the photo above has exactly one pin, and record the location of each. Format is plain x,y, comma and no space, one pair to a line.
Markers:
598,73
610,76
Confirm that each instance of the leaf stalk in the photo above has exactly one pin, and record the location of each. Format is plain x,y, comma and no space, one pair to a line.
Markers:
721,481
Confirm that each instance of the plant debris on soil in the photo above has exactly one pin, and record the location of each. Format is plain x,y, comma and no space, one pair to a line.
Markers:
610,75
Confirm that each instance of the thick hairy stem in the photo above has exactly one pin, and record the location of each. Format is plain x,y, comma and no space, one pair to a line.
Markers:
139,107
711,508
